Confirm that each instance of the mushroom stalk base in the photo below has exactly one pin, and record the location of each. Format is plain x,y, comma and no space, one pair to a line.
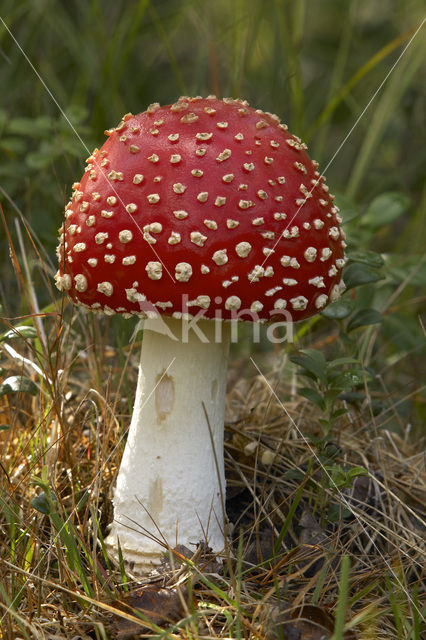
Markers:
171,483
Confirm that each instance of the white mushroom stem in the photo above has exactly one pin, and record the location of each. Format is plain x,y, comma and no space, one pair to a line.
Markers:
171,483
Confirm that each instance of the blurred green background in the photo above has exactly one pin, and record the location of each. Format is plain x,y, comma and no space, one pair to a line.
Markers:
316,64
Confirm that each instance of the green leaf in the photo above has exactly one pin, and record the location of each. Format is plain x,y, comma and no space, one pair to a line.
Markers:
339,310
363,318
339,412
41,503
331,394
17,384
326,425
351,379
41,482
385,209
294,474
338,362
19,332
4,427
411,269
313,396
337,513
76,114
312,361
357,274
31,127
370,258
357,471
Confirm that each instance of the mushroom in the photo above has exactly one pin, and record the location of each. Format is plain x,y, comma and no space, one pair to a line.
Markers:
189,215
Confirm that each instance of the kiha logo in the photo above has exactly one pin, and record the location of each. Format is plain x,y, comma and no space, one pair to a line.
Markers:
278,331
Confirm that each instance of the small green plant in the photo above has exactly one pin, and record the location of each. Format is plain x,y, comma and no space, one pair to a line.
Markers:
328,380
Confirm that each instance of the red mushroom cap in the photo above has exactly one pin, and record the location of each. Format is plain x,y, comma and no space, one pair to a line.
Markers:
203,205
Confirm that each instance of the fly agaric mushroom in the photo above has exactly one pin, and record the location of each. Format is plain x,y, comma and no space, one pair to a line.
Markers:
205,210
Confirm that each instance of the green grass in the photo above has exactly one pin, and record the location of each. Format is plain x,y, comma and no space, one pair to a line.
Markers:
316,539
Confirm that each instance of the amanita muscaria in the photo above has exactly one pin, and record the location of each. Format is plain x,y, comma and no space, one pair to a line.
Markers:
204,208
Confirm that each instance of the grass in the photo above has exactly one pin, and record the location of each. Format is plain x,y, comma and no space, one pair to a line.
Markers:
326,487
